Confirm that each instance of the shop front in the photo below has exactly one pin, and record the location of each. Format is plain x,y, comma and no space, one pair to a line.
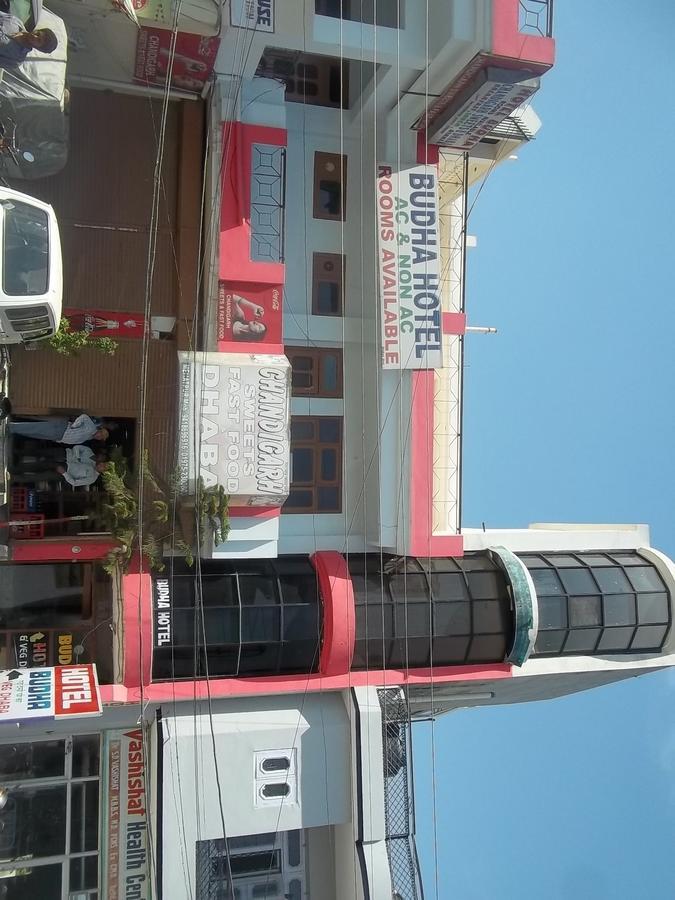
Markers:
74,816
56,613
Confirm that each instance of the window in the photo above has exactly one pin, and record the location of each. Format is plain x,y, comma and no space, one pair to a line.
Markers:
316,372
371,12
25,263
316,465
48,615
52,811
268,866
330,181
412,613
276,764
594,603
43,594
328,273
257,618
268,180
309,78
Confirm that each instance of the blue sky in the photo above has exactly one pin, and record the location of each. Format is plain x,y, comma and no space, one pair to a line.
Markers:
569,417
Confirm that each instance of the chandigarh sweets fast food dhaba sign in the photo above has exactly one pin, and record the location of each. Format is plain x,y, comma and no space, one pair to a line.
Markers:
234,424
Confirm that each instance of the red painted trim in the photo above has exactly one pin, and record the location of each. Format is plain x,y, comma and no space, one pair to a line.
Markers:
436,545
426,153
421,460
421,539
251,347
299,684
68,549
235,262
254,512
453,323
508,41
137,625
339,616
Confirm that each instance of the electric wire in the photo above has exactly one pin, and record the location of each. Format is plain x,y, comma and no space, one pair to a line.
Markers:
198,583
152,249
381,422
150,266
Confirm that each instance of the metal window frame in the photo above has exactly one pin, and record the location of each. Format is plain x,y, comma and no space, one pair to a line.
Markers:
260,569
566,596
326,66
209,884
542,11
67,780
339,160
419,567
339,262
316,445
317,355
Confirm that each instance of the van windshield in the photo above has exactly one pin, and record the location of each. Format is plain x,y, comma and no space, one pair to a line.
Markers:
25,250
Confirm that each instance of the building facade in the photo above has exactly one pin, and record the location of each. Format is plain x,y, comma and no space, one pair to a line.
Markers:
270,216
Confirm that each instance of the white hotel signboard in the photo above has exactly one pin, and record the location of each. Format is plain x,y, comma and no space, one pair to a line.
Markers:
409,267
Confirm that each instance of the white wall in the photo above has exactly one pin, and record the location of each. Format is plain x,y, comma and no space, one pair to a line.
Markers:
316,726
312,129
543,537
320,864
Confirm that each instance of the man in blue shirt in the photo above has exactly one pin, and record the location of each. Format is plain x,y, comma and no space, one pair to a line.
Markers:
62,430
16,43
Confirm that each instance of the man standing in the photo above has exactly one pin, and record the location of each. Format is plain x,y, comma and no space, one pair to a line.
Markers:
16,43
62,430
81,467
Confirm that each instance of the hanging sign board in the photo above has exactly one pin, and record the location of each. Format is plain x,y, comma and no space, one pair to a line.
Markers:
126,852
255,14
234,425
409,267
61,692
491,95
248,314
193,59
34,649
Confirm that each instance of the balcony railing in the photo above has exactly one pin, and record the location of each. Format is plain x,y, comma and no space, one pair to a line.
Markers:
535,17
398,796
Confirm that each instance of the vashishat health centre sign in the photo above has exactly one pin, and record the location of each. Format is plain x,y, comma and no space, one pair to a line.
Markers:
234,425
409,267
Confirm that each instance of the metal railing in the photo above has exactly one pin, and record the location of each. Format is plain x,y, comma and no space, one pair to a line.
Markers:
535,17
399,807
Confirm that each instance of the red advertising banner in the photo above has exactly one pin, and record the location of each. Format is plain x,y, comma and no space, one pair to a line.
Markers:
106,323
76,691
249,316
193,62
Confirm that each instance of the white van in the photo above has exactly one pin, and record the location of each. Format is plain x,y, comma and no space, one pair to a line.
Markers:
31,273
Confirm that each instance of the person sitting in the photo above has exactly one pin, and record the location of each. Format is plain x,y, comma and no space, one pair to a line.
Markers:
16,43
82,467
63,430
